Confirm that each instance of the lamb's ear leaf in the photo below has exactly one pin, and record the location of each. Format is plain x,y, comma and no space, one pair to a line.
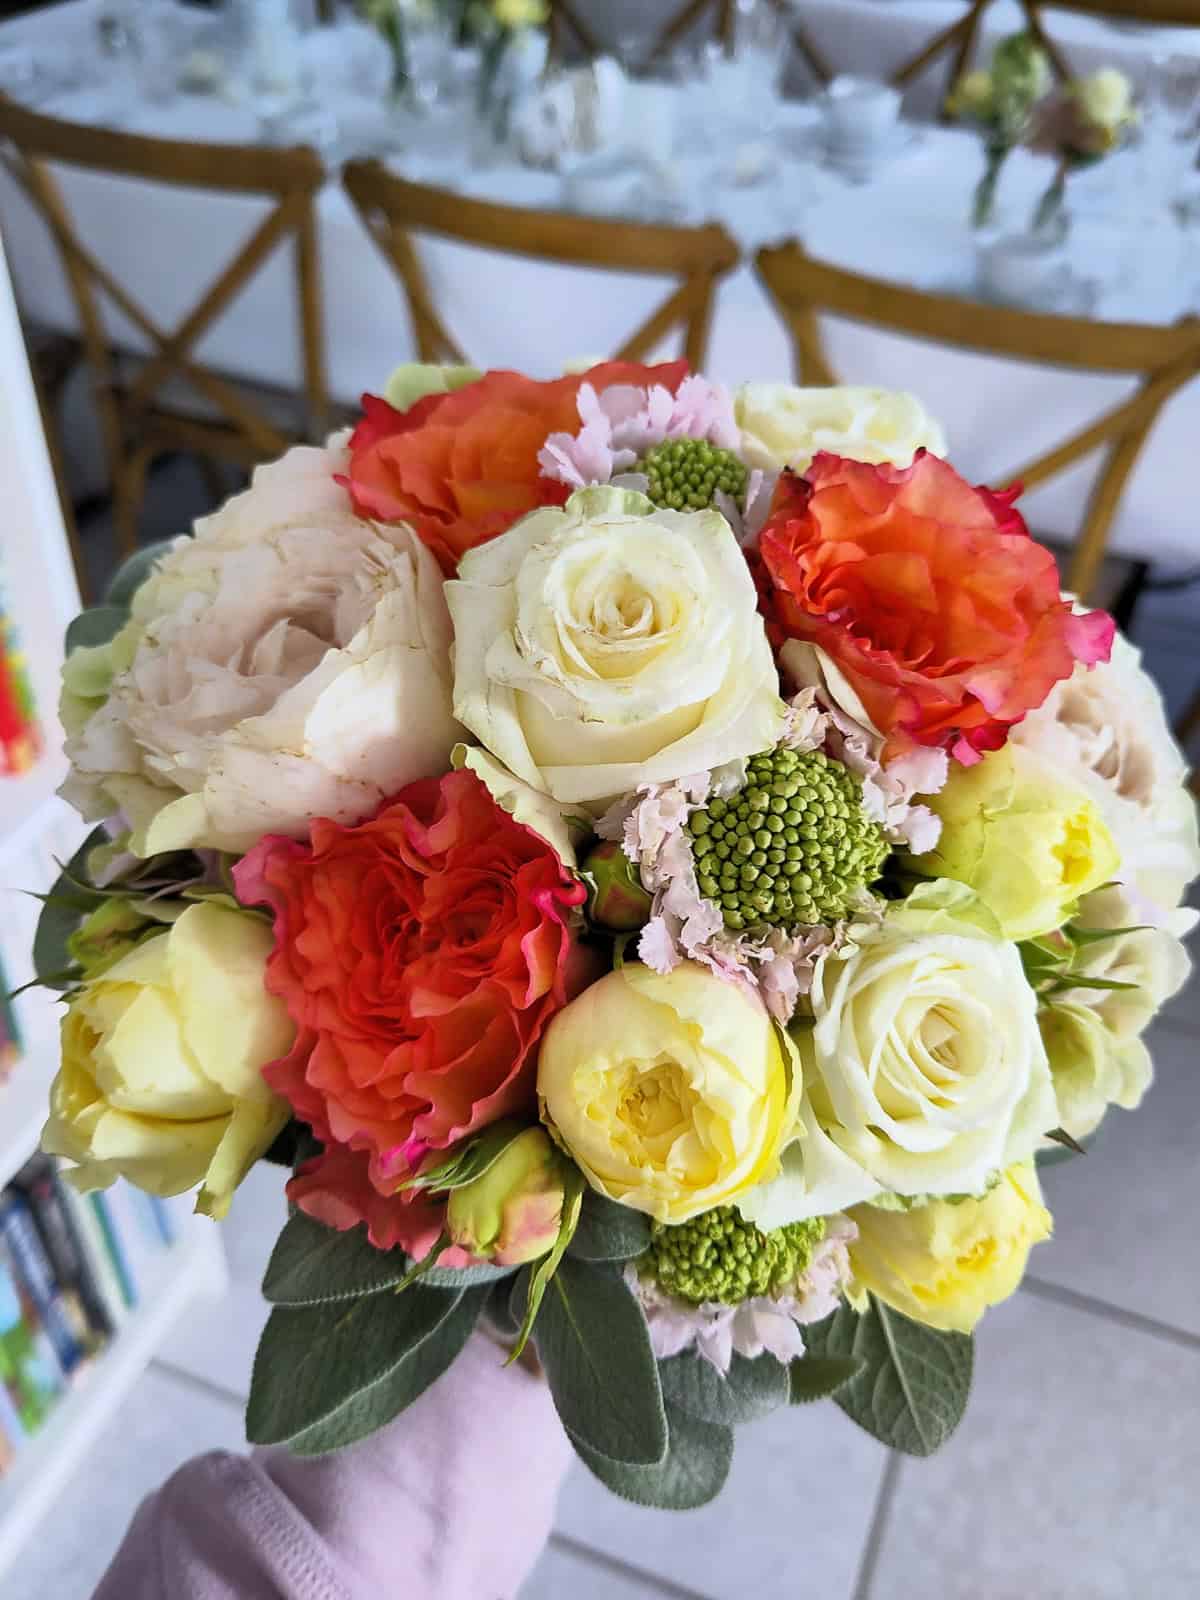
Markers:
818,1377
594,1345
315,1361
750,1389
133,572
912,1388
376,1406
96,625
693,1471
608,1231
313,1265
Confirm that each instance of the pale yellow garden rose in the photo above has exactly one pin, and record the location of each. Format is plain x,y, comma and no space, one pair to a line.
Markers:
162,1057
783,426
945,1263
291,661
1106,99
1092,1067
672,1092
1028,843
610,644
924,1071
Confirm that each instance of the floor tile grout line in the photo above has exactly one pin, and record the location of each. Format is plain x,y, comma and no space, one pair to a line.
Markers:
193,1380
877,1532
622,1569
1040,1289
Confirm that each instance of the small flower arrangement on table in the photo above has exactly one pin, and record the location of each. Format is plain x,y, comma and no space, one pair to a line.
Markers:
660,868
1084,121
999,100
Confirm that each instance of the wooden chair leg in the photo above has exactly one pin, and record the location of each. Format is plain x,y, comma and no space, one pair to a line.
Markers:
1188,723
214,480
129,492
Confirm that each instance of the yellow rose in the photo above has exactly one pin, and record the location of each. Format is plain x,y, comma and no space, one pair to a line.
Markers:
610,644
162,1056
1092,1066
783,426
1106,99
1030,845
945,1263
672,1092
974,95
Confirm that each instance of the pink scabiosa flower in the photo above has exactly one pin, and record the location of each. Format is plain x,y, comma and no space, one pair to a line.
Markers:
420,954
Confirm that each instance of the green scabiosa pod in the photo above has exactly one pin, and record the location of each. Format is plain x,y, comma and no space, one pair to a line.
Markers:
688,474
720,1257
792,848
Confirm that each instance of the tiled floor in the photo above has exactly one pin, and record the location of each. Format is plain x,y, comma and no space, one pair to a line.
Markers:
1074,1476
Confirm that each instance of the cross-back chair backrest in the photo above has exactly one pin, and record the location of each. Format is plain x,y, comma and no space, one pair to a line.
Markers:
570,31
393,209
1164,358
31,143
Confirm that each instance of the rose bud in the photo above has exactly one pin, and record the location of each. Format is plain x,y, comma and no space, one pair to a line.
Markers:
106,934
511,1214
617,898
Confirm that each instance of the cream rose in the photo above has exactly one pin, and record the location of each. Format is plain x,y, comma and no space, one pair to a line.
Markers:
673,1092
162,1056
609,645
290,661
923,1065
1092,1068
1106,98
783,426
1105,729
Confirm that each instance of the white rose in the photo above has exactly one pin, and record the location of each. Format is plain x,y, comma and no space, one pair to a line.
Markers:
783,426
291,661
923,1064
1105,729
1106,98
609,645
1091,1067
1151,959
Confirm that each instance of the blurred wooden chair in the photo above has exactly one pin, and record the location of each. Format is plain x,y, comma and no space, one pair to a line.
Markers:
166,400
571,34
394,209
1163,358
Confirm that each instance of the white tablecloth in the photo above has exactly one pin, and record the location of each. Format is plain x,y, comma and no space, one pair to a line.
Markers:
166,245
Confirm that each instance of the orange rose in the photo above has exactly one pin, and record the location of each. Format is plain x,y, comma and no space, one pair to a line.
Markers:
930,596
463,467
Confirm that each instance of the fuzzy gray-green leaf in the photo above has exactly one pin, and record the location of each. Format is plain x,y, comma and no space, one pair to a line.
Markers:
313,1265
63,909
912,1389
608,1231
817,1377
750,1389
592,1339
376,1406
314,1361
692,1473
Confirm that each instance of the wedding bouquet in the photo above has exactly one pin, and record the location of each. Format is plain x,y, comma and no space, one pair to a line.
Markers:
659,866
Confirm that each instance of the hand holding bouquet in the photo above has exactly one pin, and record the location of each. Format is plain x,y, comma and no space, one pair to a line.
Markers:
659,867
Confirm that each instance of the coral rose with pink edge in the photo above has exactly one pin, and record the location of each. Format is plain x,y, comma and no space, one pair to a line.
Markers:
462,467
928,594
420,954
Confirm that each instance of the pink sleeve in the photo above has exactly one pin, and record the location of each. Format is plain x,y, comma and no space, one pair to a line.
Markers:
453,1501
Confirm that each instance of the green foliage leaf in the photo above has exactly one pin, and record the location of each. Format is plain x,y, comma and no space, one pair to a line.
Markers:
549,1264
608,1231
133,572
374,1407
594,1345
749,1390
63,909
95,626
912,1389
314,1361
313,1265
818,1377
693,1471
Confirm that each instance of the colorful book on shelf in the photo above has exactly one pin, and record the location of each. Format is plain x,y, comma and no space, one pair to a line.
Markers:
60,1315
85,1214
20,738
114,1253
29,1368
10,1034
12,1431
59,1232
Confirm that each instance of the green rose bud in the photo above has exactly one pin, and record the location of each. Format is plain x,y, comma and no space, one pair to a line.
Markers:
511,1214
107,934
617,898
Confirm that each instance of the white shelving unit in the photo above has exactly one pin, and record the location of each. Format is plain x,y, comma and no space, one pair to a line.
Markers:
34,827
